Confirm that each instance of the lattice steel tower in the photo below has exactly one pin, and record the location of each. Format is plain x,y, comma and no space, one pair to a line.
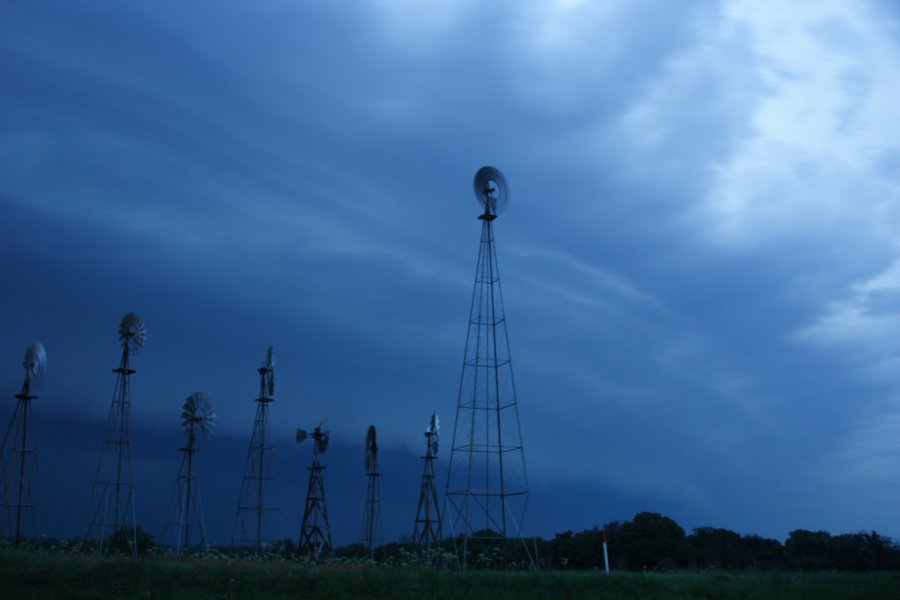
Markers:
487,485
427,531
113,490
258,519
372,534
18,456
315,530
186,523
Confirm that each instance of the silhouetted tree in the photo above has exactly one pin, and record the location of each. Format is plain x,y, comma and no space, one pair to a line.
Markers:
568,550
652,541
808,550
719,549
767,553
864,552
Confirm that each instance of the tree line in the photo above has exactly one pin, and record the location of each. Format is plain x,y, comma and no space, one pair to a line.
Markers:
651,541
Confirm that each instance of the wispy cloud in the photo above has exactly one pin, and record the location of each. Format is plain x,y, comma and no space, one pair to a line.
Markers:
809,165
865,324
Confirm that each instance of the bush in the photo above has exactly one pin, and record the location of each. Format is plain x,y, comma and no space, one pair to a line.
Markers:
121,542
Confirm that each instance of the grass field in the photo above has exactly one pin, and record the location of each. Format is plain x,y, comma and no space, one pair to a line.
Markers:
55,575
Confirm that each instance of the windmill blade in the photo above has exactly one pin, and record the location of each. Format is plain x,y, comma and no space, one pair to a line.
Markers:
188,412
435,425
197,412
35,361
301,435
132,332
269,365
208,424
371,447
322,436
431,434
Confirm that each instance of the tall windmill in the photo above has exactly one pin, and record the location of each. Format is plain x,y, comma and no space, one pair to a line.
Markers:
487,486
113,490
372,534
19,456
427,532
315,530
186,516
258,518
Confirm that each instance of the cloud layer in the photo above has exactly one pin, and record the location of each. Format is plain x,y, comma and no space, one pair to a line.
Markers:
700,267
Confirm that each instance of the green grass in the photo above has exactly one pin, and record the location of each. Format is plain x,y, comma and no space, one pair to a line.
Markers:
58,575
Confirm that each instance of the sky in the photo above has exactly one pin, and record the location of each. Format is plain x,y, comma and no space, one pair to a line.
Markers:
700,260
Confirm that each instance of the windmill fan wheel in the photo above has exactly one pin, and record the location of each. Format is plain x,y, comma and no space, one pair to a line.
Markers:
35,361
491,189
132,331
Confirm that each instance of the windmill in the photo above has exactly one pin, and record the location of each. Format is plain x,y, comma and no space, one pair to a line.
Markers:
258,518
372,534
197,418
113,489
487,485
427,532
18,456
315,530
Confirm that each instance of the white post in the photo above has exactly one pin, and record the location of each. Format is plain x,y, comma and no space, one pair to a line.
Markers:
605,554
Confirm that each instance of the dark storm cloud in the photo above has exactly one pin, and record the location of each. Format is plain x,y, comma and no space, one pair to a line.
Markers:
692,298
